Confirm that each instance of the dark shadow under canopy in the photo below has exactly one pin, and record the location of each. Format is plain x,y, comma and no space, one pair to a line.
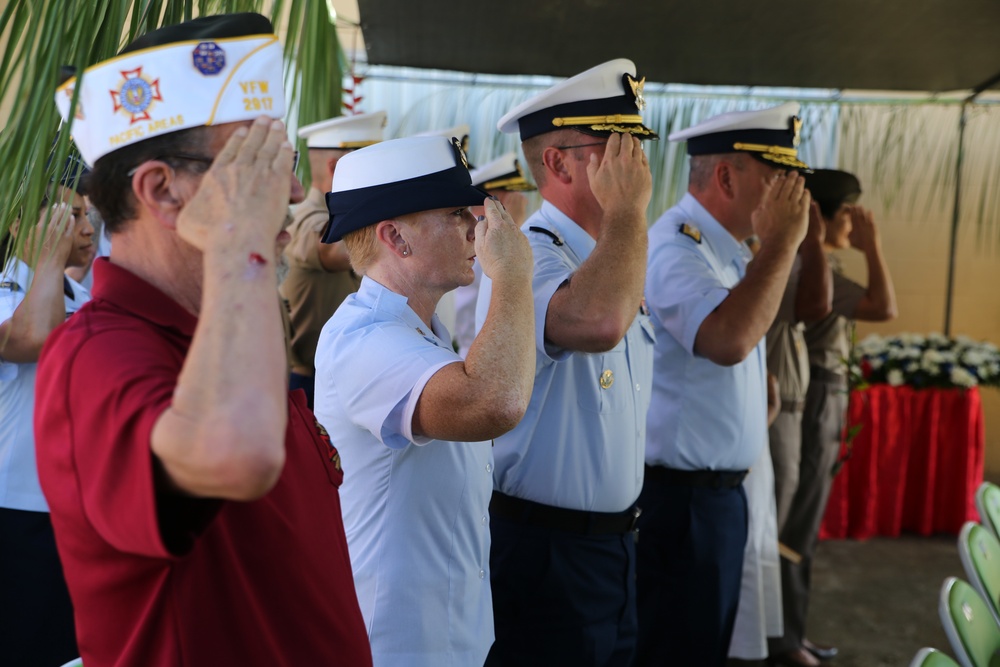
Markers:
926,45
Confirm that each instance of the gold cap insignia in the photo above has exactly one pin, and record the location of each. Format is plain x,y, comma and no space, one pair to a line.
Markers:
796,129
691,232
460,150
607,379
636,88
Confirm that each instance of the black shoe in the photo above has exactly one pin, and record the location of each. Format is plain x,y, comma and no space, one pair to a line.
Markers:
821,652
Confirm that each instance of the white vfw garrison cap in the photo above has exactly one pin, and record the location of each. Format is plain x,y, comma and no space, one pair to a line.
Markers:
770,135
504,173
601,101
209,71
398,177
345,132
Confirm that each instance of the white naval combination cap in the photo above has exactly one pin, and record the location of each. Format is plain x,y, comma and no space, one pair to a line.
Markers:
345,132
601,101
395,178
503,173
770,135
208,71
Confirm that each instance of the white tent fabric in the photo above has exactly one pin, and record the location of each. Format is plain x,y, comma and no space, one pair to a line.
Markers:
903,149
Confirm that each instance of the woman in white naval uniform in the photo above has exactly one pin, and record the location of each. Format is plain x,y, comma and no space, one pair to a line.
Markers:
36,616
413,421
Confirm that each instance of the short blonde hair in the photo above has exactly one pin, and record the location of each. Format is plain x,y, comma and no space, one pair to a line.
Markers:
362,248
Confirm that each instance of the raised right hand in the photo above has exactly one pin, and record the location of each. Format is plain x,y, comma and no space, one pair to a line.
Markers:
502,248
783,214
516,204
621,181
817,226
50,241
244,196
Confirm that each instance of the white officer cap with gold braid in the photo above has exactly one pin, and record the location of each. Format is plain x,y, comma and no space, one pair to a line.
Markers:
770,135
601,101
208,71
345,132
504,173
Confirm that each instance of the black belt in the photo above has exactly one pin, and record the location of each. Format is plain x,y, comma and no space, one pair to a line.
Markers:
792,406
558,518
713,479
826,376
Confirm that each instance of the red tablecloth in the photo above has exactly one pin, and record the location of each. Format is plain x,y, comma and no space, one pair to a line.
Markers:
917,462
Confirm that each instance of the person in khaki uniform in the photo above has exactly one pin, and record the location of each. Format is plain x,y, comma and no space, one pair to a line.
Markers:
771,481
806,299
828,344
319,275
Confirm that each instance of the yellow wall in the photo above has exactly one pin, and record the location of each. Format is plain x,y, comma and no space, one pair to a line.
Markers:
918,261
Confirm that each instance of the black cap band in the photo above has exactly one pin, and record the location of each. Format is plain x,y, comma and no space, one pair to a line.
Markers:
352,210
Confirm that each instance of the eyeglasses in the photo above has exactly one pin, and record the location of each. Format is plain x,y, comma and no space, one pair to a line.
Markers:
596,143
198,158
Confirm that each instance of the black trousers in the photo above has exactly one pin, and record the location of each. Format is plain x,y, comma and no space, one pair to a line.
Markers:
36,615
561,598
689,564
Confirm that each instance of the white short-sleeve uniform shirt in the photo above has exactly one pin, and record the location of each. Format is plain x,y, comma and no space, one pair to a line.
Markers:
19,488
703,416
580,443
416,511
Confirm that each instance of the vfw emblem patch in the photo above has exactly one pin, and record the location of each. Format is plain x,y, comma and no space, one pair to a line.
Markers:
332,452
135,95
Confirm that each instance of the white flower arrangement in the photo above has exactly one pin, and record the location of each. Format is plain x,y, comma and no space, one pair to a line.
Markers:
926,361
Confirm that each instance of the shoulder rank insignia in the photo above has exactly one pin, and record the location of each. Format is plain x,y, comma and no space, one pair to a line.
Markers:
10,285
541,230
692,232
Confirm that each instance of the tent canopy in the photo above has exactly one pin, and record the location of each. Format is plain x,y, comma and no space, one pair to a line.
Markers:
928,45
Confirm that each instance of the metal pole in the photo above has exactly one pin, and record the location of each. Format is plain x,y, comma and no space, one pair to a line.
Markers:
953,244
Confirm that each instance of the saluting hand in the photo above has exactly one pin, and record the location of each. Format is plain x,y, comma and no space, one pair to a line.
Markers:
864,234
244,196
516,204
621,181
817,226
502,248
783,214
50,241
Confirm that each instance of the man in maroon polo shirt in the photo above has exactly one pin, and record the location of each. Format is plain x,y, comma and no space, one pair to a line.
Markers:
194,501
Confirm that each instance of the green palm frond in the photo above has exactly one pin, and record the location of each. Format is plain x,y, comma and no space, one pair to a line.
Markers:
41,36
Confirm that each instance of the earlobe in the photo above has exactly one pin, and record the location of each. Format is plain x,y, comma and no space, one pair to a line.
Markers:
390,234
